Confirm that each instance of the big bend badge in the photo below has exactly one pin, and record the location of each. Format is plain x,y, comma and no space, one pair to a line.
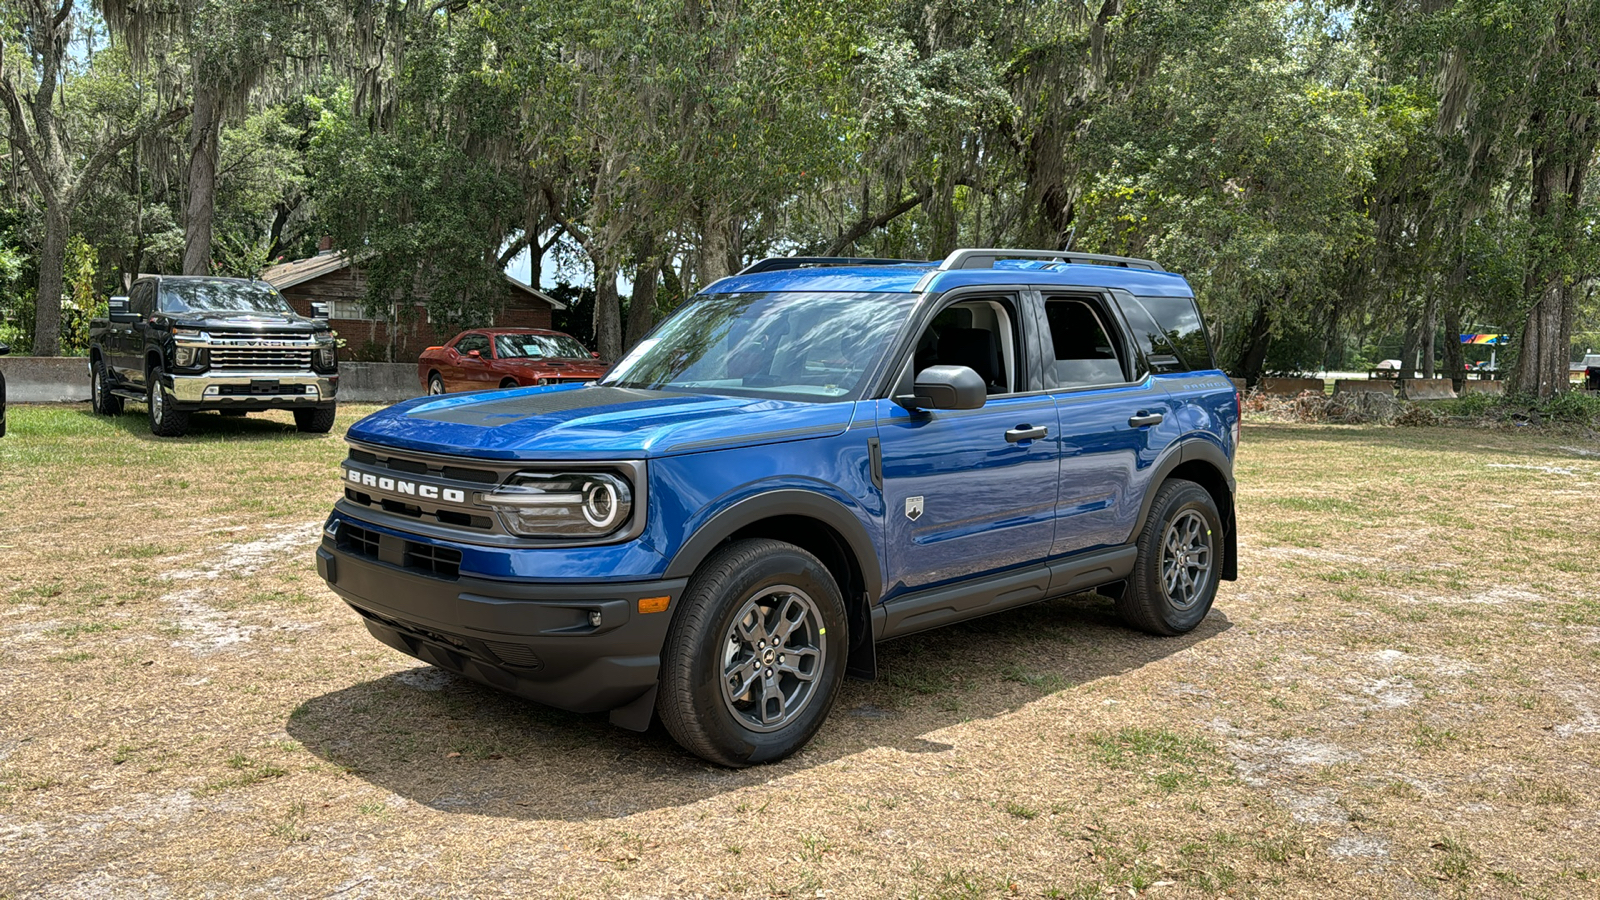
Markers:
913,508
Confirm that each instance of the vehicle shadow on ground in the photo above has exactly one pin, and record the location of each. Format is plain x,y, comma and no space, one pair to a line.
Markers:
450,744
203,426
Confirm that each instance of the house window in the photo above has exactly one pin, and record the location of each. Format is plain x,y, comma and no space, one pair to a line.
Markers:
349,309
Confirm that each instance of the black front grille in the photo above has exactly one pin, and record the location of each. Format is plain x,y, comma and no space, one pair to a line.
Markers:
441,562
358,540
448,517
515,655
417,467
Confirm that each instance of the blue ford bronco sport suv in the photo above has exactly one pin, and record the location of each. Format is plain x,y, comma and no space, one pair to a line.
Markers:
809,457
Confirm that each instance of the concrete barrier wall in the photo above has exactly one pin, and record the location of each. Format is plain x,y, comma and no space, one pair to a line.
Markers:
378,382
1291,387
1473,386
1363,386
31,379
34,379
1427,389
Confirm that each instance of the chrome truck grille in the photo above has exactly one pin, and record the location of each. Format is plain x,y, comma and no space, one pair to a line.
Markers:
258,354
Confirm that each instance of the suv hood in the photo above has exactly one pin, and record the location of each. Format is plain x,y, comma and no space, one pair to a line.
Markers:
594,422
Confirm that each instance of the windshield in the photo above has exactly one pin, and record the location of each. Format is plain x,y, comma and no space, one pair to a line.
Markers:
799,345
535,346
217,295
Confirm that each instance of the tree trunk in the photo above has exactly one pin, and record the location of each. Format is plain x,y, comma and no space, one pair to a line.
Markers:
607,311
202,181
720,254
1454,359
1430,317
642,307
1253,356
1560,163
1408,351
47,305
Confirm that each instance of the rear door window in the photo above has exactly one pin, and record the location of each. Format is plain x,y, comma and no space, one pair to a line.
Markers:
1087,352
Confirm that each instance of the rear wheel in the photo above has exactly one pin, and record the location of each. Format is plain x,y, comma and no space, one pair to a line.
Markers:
315,421
754,658
104,402
435,383
165,419
508,383
1174,580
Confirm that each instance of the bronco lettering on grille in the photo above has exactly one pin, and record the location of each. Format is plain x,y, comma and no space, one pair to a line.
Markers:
405,488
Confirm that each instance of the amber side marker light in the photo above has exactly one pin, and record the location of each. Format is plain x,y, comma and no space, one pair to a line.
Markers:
653,604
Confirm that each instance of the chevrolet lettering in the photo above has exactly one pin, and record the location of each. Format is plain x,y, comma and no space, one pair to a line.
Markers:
808,458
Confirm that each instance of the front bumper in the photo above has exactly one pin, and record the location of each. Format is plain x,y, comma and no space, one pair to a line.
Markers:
535,640
241,389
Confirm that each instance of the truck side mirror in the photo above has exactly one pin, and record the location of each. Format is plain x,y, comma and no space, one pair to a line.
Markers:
946,387
117,310
319,309
4,349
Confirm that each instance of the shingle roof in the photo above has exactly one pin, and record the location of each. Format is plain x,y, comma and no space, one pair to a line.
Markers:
289,274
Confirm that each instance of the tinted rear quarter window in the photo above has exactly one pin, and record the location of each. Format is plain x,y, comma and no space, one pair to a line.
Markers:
1169,331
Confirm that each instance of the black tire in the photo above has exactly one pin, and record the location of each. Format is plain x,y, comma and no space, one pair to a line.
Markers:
101,399
508,383
703,649
435,384
165,421
315,421
1174,580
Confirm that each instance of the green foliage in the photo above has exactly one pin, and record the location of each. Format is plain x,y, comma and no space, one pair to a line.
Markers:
84,303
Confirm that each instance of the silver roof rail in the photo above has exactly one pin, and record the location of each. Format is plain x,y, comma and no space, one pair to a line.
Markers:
985,258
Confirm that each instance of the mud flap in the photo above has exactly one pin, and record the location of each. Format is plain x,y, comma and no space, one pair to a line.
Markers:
636,716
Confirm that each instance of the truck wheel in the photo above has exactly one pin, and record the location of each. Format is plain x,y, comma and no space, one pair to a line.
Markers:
315,421
165,420
104,402
435,384
508,383
754,657
1174,579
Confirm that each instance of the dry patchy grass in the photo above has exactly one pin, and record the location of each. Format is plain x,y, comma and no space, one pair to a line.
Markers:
1400,697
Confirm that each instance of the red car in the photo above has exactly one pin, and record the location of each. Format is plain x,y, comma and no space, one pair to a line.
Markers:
506,357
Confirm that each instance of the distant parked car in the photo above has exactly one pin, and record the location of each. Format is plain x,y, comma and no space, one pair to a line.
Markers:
1591,377
488,358
4,349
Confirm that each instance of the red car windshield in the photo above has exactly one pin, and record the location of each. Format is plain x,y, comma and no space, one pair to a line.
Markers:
536,346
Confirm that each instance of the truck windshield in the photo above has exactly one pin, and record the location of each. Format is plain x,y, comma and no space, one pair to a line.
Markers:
792,344
219,295
535,346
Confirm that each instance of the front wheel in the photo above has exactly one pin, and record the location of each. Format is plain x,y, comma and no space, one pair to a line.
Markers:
435,384
754,657
315,421
1174,580
165,419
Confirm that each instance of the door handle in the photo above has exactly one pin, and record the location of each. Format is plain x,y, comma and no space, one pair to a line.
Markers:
1145,418
1026,433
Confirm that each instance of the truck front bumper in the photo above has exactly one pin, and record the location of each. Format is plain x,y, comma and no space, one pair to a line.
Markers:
278,390
580,647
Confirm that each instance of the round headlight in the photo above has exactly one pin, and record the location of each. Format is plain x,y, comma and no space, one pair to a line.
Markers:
563,504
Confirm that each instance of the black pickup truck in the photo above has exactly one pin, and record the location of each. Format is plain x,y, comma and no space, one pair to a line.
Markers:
185,343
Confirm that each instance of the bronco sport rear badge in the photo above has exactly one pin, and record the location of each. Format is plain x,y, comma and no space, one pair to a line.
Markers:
913,508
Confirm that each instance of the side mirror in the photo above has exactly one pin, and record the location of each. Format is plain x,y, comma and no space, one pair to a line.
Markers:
946,387
117,310
475,354
595,354
319,309
4,349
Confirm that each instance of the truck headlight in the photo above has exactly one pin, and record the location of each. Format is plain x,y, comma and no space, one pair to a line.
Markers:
563,504
325,357
188,357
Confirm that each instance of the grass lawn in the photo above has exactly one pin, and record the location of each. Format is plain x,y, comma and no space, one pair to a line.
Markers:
1399,697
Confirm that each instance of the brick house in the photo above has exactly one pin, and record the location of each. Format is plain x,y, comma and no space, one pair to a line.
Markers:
328,277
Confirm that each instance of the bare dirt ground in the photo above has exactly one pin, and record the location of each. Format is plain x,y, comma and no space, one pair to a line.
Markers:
1399,698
